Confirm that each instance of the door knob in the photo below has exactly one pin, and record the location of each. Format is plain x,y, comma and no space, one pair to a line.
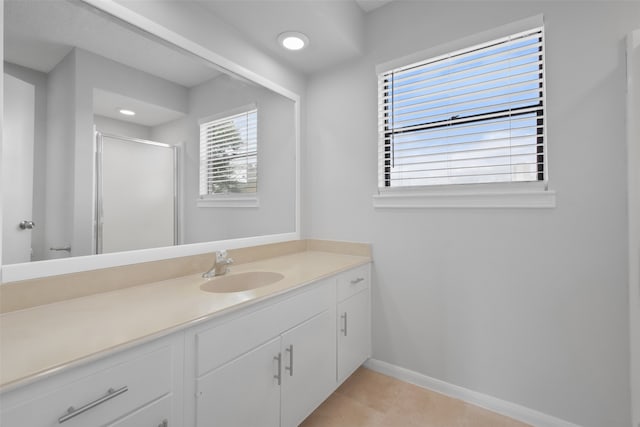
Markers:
27,225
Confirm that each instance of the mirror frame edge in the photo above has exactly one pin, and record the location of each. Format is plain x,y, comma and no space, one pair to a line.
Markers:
38,269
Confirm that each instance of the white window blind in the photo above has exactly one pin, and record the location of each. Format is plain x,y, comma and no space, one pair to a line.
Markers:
229,154
471,116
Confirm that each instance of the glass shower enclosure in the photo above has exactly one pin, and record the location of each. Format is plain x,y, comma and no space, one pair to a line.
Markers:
136,194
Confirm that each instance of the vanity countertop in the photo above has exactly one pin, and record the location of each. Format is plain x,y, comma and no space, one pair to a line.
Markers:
38,341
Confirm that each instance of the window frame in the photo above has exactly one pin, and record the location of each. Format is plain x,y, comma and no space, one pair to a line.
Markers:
234,199
534,194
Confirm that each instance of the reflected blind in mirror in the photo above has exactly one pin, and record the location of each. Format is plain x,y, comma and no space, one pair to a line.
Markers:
229,154
471,116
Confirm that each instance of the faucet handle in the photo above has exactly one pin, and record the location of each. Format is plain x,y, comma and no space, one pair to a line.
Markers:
221,256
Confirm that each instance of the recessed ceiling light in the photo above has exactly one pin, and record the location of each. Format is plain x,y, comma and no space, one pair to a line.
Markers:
126,112
293,40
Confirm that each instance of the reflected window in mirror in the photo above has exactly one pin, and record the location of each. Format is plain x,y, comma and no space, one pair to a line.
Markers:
229,153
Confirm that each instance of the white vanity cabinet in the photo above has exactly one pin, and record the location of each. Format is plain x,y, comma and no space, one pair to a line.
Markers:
353,320
269,364
139,387
270,367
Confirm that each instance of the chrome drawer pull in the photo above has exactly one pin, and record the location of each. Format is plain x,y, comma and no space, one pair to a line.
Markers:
356,281
278,376
72,412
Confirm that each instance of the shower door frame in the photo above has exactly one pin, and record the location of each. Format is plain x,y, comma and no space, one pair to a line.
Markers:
99,214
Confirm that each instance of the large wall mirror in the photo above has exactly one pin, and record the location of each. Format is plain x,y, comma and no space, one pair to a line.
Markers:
116,141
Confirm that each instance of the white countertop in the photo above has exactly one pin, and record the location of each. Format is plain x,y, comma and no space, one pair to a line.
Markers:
38,341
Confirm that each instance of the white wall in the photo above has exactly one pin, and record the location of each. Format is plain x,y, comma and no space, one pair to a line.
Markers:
60,149
529,306
276,162
121,128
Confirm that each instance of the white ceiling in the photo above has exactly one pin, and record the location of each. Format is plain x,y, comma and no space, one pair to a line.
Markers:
107,104
335,27
38,34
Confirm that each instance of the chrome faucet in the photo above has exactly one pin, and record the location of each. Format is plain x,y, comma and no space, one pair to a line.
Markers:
221,265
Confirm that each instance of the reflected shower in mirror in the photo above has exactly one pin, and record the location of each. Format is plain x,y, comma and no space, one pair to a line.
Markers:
118,141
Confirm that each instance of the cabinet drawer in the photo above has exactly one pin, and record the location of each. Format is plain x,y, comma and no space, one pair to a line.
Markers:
156,414
134,383
353,281
219,344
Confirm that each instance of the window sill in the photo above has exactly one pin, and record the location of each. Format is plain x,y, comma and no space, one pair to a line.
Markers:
229,202
482,197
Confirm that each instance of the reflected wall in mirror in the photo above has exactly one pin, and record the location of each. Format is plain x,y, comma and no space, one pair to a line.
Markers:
68,73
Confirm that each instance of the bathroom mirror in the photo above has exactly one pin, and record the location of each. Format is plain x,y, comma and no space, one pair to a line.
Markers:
83,177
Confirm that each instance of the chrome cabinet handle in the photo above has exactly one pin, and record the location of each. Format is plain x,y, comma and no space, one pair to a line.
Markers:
278,376
164,423
344,330
73,412
66,249
356,281
290,367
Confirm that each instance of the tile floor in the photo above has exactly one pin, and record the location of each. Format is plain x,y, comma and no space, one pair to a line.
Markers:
370,399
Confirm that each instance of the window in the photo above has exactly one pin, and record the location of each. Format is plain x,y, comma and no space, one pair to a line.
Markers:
229,154
471,116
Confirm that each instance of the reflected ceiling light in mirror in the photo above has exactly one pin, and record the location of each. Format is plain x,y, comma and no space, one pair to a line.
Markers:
293,40
126,112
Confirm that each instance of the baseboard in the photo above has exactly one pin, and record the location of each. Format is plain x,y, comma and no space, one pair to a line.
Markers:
512,410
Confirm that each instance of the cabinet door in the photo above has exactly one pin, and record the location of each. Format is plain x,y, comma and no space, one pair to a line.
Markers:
354,333
243,392
308,359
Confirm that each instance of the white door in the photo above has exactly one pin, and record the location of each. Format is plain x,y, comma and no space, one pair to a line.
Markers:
138,210
242,393
17,169
308,353
353,333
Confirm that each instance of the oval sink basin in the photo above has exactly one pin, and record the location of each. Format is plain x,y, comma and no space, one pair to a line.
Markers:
240,282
